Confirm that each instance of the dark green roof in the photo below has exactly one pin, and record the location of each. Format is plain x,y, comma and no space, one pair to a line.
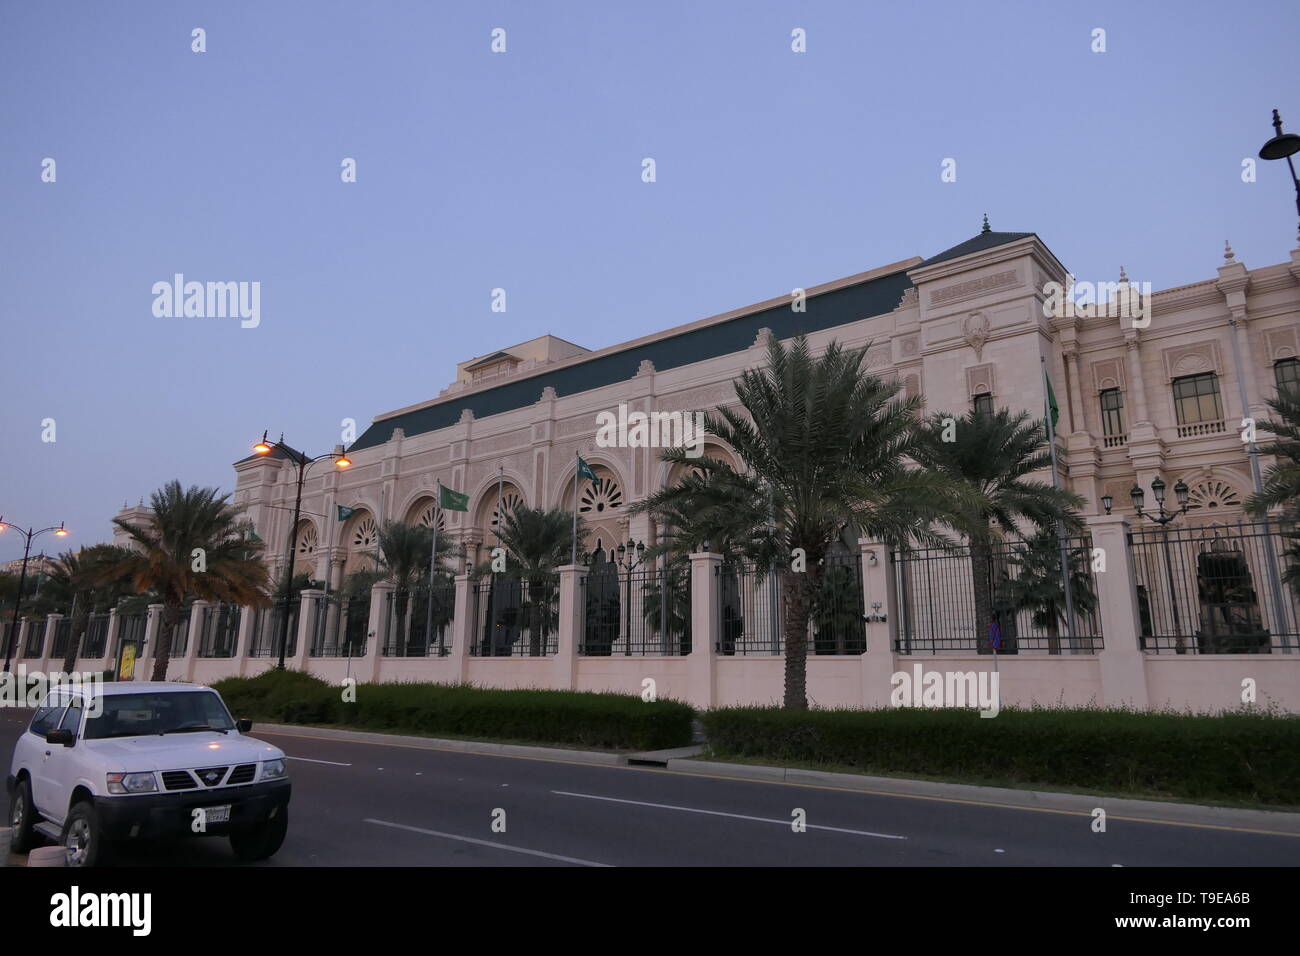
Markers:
985,240
827,310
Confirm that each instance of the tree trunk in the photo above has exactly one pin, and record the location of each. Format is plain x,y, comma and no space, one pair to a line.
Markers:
170,615
401,599
797,590
77,627
981,563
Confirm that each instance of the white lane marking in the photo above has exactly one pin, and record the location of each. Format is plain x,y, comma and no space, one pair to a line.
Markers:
495,846
734,816
332,763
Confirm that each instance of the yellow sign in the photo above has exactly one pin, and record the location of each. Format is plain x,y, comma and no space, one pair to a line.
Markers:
126,668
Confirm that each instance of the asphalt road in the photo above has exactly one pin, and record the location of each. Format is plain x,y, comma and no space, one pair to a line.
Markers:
358,803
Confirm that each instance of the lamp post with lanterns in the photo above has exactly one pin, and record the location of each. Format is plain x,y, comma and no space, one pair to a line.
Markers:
629,558
1162,518
340,460
29,534
1283,146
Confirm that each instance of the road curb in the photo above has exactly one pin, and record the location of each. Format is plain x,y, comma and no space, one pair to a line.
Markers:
1124,808
594,757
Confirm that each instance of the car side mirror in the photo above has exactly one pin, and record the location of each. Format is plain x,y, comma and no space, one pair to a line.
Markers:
243,725
62,737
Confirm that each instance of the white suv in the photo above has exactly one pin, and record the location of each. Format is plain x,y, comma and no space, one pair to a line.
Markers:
144,760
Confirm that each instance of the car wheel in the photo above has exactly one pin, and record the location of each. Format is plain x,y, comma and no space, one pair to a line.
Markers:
259,842
82,837
22,817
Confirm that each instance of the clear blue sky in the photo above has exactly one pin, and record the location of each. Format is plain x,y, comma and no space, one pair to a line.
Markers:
522,170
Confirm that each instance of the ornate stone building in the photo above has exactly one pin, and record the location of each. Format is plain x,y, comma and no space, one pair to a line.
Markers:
1161,397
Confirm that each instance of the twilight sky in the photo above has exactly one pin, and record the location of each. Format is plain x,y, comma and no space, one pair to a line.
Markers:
522,171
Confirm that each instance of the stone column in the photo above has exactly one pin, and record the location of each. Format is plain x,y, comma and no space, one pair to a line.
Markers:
198,621
1078,421
1123,665
1136,385
878,663
702,661
462,628
367,669
310,602
564,675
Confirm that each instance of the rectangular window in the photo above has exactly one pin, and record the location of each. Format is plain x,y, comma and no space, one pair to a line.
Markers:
1286,374
983,403
1196,399
1112,411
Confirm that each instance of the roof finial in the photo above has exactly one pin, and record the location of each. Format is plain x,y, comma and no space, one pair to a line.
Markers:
1123,276
986,225
1228,254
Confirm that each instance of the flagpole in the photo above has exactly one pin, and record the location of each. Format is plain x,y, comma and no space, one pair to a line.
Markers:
1060,525
433,563
501,477
573,552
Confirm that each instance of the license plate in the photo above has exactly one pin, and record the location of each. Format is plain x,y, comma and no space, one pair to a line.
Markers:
217,814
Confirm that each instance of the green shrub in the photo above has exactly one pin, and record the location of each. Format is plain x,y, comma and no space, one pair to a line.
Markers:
1250,756
576,718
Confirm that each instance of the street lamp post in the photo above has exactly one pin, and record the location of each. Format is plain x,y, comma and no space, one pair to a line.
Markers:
1163,518
29,534
1283,146
629,558
264,447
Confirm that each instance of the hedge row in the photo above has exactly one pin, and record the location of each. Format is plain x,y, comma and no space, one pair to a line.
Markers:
606,721
1252,757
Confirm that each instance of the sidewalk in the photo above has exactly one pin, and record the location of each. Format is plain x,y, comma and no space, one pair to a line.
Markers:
672,761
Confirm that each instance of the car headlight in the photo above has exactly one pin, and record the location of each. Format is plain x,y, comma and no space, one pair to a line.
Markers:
131,783
273,769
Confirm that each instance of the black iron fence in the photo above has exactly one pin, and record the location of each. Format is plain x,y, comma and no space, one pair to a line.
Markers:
131,629
62,634
642,612
35,644
265,639
751,609
1217,589
1008,596
218,631
339,625
516,617
96,639
181,634
412,628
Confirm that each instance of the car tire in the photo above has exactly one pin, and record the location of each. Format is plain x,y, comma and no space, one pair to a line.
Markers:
83,837
22,817
260,842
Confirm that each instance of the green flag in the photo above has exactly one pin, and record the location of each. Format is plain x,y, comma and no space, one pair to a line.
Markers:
252,535
584,471
449,500
344,513
1051,404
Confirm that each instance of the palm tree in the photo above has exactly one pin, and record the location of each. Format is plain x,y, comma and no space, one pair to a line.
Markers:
1282,480
1036,586
823,443
186,524
76,574
992,455
537,543
402,558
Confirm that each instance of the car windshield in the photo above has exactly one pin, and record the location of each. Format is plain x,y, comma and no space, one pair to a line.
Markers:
158,712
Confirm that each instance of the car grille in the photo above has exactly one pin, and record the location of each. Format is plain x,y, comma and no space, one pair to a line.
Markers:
211,776
178,780
244,773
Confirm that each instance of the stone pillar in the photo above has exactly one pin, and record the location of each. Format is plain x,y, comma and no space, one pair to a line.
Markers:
462,628
1123,665
310,602
367,669
564,675
152,626
48,656
198,621
1078,421
243,643
702,662
1136,385
878,663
